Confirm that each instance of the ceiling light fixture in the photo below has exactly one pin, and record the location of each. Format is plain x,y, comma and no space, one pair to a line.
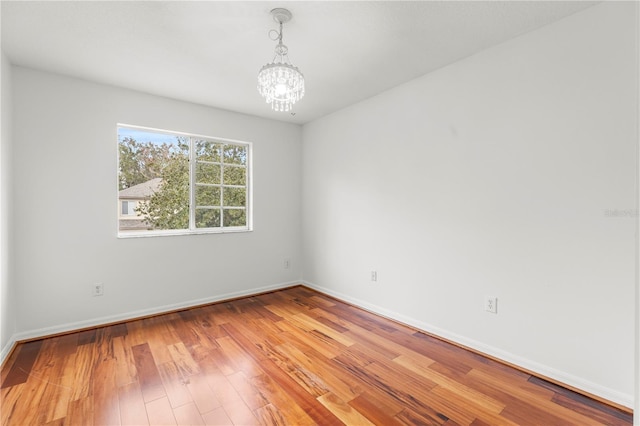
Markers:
280,83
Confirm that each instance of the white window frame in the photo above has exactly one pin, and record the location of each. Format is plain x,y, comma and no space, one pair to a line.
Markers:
192,230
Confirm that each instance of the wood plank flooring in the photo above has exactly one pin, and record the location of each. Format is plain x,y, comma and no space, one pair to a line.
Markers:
291,357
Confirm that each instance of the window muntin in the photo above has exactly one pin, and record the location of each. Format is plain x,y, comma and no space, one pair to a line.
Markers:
184,183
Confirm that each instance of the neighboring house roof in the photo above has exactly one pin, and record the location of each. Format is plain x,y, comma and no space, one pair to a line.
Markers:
142,190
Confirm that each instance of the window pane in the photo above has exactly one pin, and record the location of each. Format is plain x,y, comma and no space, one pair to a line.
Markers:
235,217
207,196
235,154
208,173
128,208
234,197
154,169
207,218
235,175
208,151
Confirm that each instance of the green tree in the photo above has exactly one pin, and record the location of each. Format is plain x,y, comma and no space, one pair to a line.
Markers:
168,207
130,168
143,161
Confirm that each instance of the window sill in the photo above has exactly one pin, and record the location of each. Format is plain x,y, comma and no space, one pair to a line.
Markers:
176,232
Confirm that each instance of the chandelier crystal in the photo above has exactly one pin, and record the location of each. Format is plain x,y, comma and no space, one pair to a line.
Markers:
280,83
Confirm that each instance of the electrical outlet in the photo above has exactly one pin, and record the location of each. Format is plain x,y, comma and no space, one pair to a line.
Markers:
97,289
286,263
374,275
491,304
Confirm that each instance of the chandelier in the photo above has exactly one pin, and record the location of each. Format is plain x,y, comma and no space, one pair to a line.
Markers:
280,83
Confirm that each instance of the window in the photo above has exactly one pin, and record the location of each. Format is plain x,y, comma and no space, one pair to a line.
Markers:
128,208
176,183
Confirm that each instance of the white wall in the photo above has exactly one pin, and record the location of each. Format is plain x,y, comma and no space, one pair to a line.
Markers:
7,312
636,407
490,176
64,174
493,176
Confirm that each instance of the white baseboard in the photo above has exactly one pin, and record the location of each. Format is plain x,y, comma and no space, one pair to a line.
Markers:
97,322
543,370
6,350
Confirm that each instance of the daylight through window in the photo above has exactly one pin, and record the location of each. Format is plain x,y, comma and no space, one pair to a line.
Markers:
175,183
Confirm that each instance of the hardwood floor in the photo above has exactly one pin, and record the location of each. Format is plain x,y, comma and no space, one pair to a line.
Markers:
290,357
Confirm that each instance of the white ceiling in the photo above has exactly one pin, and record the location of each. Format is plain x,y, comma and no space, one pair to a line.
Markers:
210,52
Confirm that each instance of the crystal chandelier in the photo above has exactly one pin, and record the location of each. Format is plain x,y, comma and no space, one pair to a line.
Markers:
280,83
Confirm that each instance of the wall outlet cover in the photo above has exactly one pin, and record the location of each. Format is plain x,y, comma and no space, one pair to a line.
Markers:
491,304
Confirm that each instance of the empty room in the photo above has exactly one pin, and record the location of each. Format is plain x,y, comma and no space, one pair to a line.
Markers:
320,212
